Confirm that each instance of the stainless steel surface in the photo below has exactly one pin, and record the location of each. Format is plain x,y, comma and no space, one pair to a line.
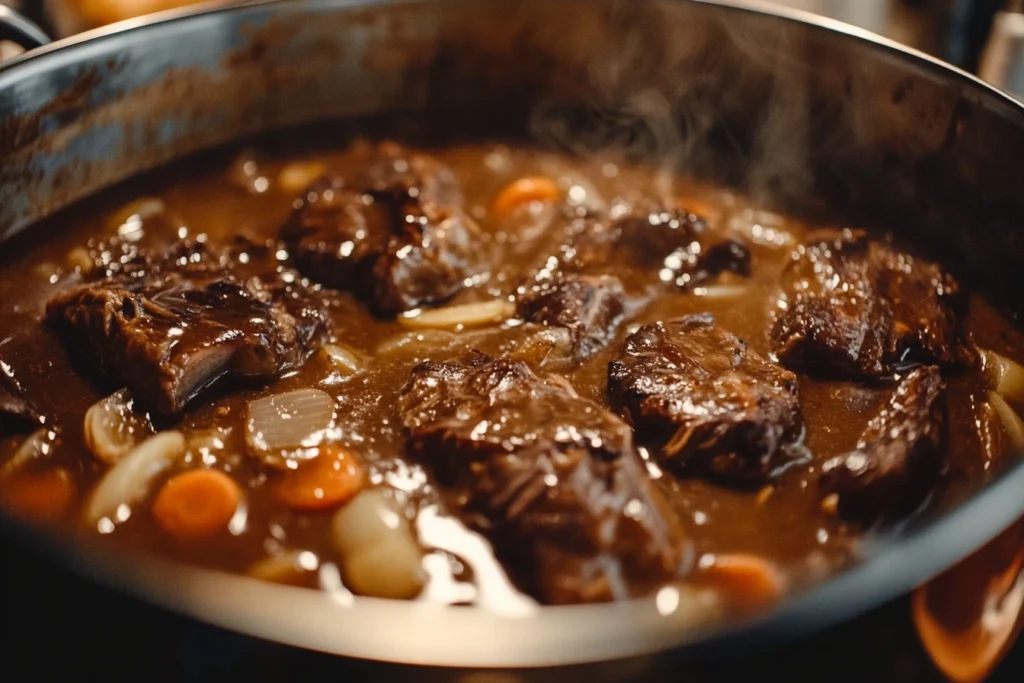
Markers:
805,114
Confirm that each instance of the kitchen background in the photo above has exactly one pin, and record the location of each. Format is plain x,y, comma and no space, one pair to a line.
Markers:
53,624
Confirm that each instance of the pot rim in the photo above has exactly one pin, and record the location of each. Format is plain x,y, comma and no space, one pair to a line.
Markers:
891,565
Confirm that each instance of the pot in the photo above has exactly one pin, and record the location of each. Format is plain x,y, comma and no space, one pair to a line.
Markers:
808,116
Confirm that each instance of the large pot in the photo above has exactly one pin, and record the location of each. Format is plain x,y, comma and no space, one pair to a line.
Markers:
810,116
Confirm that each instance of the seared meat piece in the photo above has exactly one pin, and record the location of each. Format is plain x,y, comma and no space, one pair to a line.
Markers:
551,478
16,413
396,235
678,245
168,329
708,403
644,241
858,308
899,455
590,308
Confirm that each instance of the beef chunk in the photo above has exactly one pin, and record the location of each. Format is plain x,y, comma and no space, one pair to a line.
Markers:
17,414
396,234
168,327
854,307
551,478
590,308
898,457
678,245
708,403
644,241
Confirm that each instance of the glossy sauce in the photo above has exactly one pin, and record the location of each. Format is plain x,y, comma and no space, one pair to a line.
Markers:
783,522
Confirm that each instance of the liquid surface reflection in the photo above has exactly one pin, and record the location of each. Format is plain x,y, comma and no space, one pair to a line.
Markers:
969,617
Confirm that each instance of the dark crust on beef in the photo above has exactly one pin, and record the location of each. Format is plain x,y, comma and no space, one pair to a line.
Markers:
707,403
899,456
645,243
853,307
551,478
590,308
169,326
396,235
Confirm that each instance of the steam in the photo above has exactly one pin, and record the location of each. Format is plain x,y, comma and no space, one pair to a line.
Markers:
659,90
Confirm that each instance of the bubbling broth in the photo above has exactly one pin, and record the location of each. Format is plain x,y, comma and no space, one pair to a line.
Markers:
486,373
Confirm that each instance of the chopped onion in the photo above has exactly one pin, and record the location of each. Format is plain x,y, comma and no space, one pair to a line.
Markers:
1013,425
112,429
465,315
343,358
380,556
297,176
391,568
283,429
129,480
1004,376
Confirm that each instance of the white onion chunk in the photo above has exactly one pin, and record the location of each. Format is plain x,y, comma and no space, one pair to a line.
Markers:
129,481
283,429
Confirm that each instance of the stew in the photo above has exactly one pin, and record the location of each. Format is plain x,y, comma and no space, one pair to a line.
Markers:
486,371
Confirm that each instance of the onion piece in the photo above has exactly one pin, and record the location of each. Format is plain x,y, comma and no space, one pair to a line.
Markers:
391,568
379,553
129,480
286,428
457,317
1004,376
112,429
1013,425
343,358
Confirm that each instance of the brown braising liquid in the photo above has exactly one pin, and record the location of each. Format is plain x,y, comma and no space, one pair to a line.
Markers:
782,522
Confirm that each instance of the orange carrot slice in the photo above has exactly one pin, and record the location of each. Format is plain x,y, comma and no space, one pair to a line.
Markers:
748,581
196,504
39,496
523,191
325,482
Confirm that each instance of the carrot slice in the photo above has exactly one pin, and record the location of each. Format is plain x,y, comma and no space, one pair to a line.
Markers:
39,496
196,504
748,581
523,191
327,481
